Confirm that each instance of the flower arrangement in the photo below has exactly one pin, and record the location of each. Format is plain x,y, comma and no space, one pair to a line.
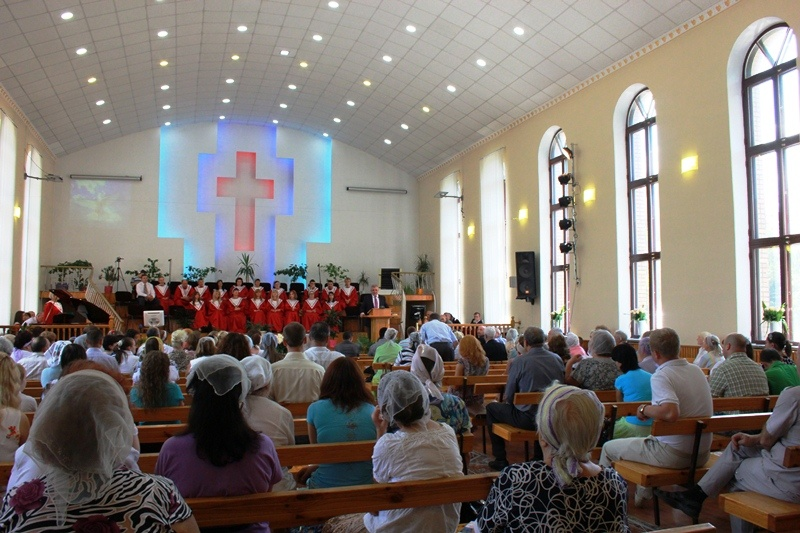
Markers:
557,316
774,314
638,315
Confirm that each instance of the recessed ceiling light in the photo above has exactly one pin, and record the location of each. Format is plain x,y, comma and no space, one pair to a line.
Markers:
67,15
235,57
303,64
168,123
411,28
519,30
451,88
481,62
317,37
404,126
81,51
242,28
164,87
107,121
337,120
222,117
164,63
226,100
229,80
387,58
100,102
351,103
387,141
275,121
426,109
284,52
367,83
324,134
283,106
92,80
333,5
292,86
163,33
165,107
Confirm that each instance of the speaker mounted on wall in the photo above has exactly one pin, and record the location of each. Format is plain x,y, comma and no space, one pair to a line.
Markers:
526,276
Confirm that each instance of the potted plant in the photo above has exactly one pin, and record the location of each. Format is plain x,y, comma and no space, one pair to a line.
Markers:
557,316
150,268
775,317
194,273
364,342
61,271
247,268
293,271
424,265
363,282
638,316
109,274
334,272
81,273
333,319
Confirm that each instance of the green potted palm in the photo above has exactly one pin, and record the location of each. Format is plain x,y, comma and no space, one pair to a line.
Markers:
247,268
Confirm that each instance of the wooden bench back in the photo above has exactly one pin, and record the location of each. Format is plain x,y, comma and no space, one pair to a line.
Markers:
713,424
791,457
161,414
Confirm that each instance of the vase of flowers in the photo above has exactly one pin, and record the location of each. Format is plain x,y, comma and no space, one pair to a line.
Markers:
638,316
774,317
557,316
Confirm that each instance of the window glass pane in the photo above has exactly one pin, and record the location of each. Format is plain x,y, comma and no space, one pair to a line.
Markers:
768,289
789,51
791,170
641,288
794,287
559,236
790,105
653,150
639,220
757,62
658,317
635,115
766,198
638,155
762,113
656,206
559,290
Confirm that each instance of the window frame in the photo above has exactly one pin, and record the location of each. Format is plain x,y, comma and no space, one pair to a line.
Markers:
558,164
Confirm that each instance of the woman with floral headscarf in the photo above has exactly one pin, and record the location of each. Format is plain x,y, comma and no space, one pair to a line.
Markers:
447,408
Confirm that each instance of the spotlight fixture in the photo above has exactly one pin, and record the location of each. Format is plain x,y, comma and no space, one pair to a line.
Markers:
445,194
566,247
565,201
565,223
565,179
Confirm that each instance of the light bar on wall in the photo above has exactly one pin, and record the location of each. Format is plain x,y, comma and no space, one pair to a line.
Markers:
104,177
377,189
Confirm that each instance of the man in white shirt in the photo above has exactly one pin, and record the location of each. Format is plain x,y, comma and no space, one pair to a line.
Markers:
145,293
319,353
95,352
36,361
295,379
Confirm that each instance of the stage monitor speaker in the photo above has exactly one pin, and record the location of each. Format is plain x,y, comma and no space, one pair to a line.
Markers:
526,276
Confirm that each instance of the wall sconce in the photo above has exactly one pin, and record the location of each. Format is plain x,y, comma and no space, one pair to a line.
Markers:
17,211
523,214
688,164
471,230
588,195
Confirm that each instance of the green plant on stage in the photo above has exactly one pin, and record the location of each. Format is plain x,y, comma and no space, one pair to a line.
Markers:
150,268
363,281
247,267
109,274
294,272
364,342
333,319
424,265
194,273
334,272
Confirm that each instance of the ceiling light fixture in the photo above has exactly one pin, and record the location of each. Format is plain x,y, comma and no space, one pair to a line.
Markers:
235,57
303,64
333,5
388,59
367,83
163,33
275,121
283,106
164,87
226,100
104,177
317,37
100,102
404,126
164,63
426,109
91,80
242,28
165,107
292,86
222,117
351,103
229,80
481,62
324,134
168,123
451,88
411,28
519,30
284,52
337,120
387,141
107,121
81,51
66,15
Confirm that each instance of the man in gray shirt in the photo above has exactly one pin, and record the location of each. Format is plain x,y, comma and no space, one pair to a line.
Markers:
532,372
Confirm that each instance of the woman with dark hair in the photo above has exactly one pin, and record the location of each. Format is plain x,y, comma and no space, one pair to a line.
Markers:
343,413
632,386
558,345
123,353
220,454
154,389
22,341
235,345
777,341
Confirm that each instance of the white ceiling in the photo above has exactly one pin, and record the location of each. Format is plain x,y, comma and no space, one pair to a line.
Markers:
565,42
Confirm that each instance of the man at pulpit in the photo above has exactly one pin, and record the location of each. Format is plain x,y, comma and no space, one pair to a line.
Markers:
373,301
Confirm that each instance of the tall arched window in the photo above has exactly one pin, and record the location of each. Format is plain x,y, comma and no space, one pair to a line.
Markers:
8,165
772,147
643,208
559,262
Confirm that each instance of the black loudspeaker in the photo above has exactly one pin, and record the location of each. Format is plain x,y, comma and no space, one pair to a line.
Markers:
526,276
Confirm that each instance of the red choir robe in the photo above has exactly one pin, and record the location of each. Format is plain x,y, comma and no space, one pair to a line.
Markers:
259,291
325,291
50,311
163,296
244,292
312,312
257,311
200,314
291,311
236,313
311,294
348,296
281,292
275,314
204,292
183,296
216,315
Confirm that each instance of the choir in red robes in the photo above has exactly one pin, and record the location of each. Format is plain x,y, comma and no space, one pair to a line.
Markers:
258,311
215,313
291,309
312,312
200,308
51,309
236,313
275,312
163,295
244,292
183,295
348,296
203,290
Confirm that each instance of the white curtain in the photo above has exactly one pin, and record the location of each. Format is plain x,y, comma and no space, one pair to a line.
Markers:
493,237
8,160
31,231
450,261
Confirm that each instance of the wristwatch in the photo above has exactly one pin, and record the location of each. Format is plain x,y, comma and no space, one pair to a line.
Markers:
641,410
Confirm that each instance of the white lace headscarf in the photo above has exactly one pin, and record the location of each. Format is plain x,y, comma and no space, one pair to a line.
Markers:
223,372
81,433
259,371
432,379
397,390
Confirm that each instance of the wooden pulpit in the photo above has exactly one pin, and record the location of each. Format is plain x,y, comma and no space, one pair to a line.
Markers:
378,318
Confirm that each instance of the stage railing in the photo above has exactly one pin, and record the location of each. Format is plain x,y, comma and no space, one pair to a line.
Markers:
64,332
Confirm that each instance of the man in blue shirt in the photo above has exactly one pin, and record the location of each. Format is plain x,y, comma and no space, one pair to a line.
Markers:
439,336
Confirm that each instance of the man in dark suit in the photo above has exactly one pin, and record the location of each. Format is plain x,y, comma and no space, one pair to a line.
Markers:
372,301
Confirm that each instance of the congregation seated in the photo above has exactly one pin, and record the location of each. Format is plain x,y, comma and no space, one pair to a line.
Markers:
565,491
386,353
780,376
495,345
220,454
154,389
778,341
738,375
22,344
36,362
319,335
27,404
64,354
123,353
347,346
710,352
235,345
295,378
598,372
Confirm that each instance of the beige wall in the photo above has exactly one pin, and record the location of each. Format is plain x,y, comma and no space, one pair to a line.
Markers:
688,77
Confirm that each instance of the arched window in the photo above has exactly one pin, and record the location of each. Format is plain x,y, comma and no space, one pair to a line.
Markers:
8,165
559,262
643,209
772,148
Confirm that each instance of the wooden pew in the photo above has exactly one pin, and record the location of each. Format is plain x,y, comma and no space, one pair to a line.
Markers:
656,476
162,414
315,506
699,528
765,512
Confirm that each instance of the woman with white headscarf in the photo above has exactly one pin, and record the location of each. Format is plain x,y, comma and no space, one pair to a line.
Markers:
447,408
80,438
419,449
566,491
220,454
265,415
